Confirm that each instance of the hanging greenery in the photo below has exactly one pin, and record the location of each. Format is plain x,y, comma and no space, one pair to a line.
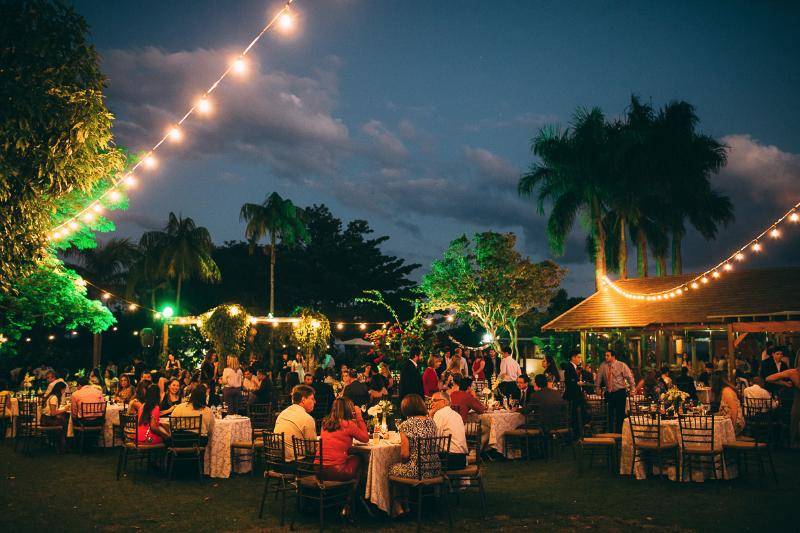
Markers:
227,326
312,335
397,341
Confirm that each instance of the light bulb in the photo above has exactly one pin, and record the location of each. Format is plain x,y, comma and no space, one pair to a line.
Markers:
175,134
340,326
106,296
204,105
130,181
132,307
428,322
704,280
239,66
756,247
739,256
450,318
150,162
73,225
362,327
286,21
728,267
88,217
794,217
97,208
715,274
775,233
695,285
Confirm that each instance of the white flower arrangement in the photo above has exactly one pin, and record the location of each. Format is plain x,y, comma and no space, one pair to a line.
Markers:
674,395
383,407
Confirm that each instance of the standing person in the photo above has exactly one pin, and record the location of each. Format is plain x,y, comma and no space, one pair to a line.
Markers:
172,363
573,392
232,383
509,372
297,366
410,378
614,378
430,380
773,365
492,368
790,379
479,368
550,369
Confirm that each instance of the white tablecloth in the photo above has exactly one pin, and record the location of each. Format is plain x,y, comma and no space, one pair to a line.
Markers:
112,417
670,432
380,458
499,423
218,451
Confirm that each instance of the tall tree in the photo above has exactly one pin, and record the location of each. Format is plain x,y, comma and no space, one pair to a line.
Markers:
491,284
185,252
574,177
108,264
277,218
55,131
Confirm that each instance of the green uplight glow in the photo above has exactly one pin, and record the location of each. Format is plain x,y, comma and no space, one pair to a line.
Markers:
167,312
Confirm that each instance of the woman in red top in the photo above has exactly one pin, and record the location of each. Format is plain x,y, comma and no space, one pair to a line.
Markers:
430,379
478,366
339,428
148,430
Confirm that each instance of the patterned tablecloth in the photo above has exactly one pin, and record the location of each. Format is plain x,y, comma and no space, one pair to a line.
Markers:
112,417
500,422
670,432
218,451
380,458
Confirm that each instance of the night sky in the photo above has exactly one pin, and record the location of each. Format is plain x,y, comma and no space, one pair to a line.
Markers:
417,115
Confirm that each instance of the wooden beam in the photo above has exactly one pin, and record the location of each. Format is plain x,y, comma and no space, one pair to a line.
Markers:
731,352
583,344
739,339
786,326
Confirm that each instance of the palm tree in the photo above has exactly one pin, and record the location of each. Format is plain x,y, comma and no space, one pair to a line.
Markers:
145,276
687,160
107,264
185,252
574,177
279,219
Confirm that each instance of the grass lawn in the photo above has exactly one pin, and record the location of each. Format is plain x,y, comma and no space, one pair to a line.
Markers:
71,492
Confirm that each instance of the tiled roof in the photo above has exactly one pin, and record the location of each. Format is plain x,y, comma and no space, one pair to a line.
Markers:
738,293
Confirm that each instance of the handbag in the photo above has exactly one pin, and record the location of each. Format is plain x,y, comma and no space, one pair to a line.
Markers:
148,437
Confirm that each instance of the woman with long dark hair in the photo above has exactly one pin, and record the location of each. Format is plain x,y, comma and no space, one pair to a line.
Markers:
172,397
339,428
55,412
724,396
148,430
125,390
550,369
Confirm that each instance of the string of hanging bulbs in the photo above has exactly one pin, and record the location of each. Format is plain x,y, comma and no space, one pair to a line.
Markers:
753,246
284,19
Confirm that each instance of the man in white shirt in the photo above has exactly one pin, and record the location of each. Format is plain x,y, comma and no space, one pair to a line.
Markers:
756,391
449,422
295,420
509,372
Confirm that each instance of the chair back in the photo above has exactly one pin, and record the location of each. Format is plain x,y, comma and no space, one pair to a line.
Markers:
28,419
274,451
596,416
473,433
185,431
697,431
645,428
129,425
306,452
260,415
431,455
5,403
92,410
754,406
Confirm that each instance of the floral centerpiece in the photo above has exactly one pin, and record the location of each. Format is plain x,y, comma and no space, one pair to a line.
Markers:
674,397
383,408
335,384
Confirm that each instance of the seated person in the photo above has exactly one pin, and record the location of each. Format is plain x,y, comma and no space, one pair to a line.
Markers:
375,385
417,424
705,376
546,401
196,406
756,390
295,420
250,382
56,413
339,428
686,384
524,394
172,397
664,381
449,422
148,430
355,390
86,394
264,392
464,400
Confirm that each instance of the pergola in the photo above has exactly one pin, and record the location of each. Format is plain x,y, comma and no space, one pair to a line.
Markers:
196,320
737,305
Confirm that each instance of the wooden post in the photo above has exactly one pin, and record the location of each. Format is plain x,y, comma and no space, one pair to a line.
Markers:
583,344
97,349
731,353
694,354
164,341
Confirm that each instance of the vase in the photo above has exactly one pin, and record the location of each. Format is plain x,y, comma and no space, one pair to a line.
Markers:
384,425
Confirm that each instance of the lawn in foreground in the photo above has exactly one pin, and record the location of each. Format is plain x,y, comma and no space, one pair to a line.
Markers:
74,492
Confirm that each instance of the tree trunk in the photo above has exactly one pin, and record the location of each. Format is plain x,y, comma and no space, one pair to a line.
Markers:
97,349
661,265
641,253
178,294
600,246
153,298
623,249
677,260
272,272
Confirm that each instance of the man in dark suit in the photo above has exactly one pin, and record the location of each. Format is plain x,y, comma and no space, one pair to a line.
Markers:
523,394
547,402
492,368
410,378
573,393
773,365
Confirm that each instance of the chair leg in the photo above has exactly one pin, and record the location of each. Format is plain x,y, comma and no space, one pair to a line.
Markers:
119,462
321,511
447,510
419,509
772,467
263,498
391,500
283,505
483,496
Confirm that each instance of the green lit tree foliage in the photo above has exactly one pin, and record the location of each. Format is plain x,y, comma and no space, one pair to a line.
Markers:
490,284
312,335
53,296
55,131
227,327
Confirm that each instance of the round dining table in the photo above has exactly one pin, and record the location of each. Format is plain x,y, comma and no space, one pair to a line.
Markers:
218,450
499,422
379,457
670,432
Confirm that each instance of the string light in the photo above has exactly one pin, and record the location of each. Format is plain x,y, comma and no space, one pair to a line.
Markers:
340,326
362,326
285,21
726,264
106,296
